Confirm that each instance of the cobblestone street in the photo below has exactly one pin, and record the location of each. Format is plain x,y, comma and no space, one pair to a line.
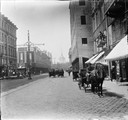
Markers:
60,98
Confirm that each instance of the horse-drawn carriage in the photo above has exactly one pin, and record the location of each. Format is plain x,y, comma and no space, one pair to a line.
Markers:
51,72
93,78
56,72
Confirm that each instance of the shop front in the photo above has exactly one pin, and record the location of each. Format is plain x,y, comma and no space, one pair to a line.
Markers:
118,58
124,69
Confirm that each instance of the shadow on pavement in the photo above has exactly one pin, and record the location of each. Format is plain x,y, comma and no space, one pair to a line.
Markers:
126,84
111,94
105,93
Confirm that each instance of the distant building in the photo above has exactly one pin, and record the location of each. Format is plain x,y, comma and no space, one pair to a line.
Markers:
8,59
40,61
81,33
62,59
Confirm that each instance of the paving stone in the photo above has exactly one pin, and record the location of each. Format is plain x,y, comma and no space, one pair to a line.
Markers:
61,99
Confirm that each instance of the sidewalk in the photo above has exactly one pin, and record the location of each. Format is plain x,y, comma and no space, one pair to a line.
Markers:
120,88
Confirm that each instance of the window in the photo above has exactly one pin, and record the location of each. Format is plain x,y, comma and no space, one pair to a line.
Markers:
0,49
84,41
21,56
2,37
81,2
83,20
3,49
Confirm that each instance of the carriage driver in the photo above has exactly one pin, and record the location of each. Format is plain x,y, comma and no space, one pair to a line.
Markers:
82,75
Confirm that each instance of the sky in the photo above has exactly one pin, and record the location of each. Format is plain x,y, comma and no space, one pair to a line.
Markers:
48,22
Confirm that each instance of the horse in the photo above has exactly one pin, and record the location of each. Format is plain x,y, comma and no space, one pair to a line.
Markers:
97,77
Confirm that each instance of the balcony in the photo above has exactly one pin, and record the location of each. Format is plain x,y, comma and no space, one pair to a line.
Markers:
115,8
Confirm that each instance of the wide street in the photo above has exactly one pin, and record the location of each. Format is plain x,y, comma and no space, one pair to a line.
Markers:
61,99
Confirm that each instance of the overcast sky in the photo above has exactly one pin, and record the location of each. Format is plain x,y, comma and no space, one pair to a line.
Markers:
47,20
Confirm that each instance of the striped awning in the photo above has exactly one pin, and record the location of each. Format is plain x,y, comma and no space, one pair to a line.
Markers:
88,61
97,57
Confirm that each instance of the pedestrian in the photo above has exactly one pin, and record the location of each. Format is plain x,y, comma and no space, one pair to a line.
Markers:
29,75
113,73
75,74
18,74
69,72
82,74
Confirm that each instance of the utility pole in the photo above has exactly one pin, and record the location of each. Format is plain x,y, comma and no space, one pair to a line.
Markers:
29,44
28,51
29,67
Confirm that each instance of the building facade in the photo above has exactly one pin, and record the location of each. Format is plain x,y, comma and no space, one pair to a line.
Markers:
8,58
81,33
110,25
38,61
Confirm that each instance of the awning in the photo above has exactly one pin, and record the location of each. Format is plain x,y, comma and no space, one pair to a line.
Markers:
88,61
120,51
102,61
102,58
97,57
70,66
